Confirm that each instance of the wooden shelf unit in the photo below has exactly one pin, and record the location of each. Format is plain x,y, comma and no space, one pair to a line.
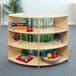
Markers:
61,26
0,15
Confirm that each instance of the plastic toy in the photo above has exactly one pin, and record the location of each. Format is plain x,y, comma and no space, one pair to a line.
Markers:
29,30
53,55
21,27
49,55
50,58
49,51
44,54
18,28
24,58
53,51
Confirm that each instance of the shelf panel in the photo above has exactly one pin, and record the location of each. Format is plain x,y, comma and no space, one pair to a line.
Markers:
42,31
34,61
21,15
34,45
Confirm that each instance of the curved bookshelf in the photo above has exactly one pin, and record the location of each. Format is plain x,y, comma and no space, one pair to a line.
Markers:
34,62
34,45
42,31
60,26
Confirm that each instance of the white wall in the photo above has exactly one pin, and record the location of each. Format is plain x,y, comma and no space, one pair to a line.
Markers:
46,7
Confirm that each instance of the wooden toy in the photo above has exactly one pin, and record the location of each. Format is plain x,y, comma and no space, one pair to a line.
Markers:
25,30
18,24
24,58
19,28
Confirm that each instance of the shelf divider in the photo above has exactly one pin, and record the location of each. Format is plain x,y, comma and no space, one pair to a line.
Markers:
38,44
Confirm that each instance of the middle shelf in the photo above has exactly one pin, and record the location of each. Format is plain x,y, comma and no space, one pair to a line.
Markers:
42,31
34,45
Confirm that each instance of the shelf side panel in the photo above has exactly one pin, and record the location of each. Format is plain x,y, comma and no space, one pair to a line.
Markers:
13,51
64,38
63,51
61,22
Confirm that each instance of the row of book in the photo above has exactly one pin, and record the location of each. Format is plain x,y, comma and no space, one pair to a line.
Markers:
31,52
34,37
43,22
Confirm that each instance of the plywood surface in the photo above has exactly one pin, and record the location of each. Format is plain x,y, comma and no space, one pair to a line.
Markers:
42,31
34,45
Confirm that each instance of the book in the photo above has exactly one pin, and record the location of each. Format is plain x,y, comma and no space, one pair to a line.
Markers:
35,23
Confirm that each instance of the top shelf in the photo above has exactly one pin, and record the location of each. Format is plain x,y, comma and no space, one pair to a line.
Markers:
21,15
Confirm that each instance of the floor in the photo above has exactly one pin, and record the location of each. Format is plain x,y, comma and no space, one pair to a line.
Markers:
13,69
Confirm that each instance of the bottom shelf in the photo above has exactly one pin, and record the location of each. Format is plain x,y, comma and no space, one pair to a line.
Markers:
34,61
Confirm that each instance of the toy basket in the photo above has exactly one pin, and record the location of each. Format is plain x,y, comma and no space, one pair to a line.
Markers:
51,61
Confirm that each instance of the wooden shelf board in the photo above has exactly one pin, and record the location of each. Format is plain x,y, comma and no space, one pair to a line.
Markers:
21,15
34,61
42,31
34,45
